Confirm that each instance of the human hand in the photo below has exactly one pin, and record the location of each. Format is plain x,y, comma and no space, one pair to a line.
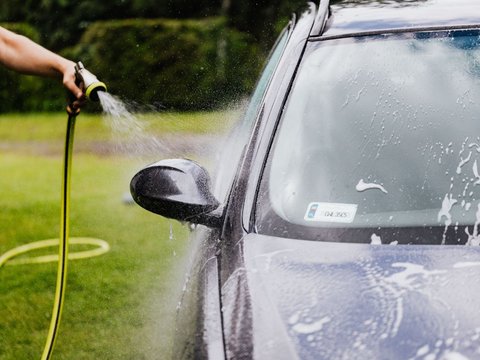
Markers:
68,73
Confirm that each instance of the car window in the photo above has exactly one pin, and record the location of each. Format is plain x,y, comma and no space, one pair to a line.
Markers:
379,143
241,132
262,84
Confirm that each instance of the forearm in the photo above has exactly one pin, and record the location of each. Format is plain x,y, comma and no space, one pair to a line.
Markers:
23,55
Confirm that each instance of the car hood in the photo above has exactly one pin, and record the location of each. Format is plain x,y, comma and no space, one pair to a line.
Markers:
318,300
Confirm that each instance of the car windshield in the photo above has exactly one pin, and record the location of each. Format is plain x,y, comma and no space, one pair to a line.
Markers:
379,142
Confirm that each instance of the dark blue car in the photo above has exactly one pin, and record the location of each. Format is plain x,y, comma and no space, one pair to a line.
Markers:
344,219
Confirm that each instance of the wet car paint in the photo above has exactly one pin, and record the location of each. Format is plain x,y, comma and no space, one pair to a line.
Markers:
344,301
288,299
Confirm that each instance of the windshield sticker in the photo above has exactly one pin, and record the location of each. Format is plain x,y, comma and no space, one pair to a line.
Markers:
331,212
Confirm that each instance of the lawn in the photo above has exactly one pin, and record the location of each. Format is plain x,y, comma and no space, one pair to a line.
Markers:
119,305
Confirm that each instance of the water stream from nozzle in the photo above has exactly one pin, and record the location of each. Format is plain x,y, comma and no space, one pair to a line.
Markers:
127,128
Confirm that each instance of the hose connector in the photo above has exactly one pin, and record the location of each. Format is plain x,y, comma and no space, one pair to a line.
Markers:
90,82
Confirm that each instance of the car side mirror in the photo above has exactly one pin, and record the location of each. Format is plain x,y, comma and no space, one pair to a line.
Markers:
177,189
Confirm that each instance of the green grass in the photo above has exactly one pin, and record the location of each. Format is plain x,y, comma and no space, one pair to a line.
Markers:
51,126
119,305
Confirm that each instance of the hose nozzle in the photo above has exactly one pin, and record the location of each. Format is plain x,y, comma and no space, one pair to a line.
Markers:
90,82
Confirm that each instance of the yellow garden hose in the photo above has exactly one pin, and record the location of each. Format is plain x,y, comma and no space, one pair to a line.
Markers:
64,232
92,86
63,242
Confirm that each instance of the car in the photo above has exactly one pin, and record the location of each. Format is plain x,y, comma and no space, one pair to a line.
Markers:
343,222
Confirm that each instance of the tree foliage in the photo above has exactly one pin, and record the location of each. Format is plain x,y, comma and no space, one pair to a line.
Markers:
61,23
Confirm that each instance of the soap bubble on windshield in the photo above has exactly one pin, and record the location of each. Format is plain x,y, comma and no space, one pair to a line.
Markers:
363,186
375,240
474,238
447,204
463,162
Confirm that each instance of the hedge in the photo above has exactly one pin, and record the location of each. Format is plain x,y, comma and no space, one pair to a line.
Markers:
179,64
172,64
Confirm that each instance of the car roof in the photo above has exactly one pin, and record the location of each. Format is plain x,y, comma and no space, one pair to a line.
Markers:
363,16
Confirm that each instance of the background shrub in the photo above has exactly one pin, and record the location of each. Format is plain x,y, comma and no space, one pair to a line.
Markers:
180,64
173,64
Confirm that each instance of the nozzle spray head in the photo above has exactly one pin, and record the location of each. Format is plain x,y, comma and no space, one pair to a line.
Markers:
90,82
